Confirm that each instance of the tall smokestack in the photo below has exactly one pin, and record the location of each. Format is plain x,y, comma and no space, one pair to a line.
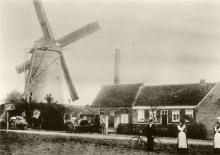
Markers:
117,79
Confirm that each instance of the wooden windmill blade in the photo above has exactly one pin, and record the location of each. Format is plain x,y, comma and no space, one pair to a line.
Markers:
68,79
43,20
78,34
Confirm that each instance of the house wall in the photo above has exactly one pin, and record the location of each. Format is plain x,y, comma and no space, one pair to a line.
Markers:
159,116
117,112
209,109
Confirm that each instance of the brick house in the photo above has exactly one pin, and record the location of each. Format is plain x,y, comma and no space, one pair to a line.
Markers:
167,104
208,109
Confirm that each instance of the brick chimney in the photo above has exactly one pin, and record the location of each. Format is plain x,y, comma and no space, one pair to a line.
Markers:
202,82
117,78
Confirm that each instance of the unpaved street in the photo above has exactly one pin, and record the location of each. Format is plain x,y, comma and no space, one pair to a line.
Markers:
32,142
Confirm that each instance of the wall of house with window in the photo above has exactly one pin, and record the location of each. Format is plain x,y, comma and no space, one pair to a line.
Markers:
163,116
123,113
143,116
175,115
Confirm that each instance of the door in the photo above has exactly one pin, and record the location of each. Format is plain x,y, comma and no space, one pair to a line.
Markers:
164,114
111,119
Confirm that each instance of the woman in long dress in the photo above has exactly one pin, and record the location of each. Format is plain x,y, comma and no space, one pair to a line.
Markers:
182,144
217,138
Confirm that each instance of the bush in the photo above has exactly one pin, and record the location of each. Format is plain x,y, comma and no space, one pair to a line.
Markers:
51,114
167,130
194,131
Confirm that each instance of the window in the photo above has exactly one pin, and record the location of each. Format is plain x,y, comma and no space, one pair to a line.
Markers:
124,118
101,112
175,115
112,113
124,111
189,113
140,115
153,115
164,112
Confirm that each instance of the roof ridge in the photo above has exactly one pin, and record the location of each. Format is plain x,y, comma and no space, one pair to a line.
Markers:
124,84
179,84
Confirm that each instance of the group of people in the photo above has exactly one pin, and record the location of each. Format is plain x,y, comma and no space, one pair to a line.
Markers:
182,143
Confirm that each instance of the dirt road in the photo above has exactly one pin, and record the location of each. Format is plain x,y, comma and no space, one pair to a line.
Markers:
40,142
110,136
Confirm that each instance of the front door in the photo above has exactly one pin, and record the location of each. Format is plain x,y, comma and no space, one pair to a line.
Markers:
111,122
164,114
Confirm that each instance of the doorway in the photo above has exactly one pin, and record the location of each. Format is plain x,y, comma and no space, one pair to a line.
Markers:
164,114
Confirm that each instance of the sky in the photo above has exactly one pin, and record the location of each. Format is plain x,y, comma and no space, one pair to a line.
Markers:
161,41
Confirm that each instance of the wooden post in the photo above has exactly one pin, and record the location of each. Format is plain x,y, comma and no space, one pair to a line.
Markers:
106,124
116,122
29,74
7,119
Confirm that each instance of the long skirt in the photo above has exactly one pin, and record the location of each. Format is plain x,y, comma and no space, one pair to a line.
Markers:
217,143
182,145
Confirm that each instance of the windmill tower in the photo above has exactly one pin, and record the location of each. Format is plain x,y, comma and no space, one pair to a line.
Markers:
47,61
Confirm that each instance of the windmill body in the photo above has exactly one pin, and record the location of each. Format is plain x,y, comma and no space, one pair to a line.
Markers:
47,62
47,80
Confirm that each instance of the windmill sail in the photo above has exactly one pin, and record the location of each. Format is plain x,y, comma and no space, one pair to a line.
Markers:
23,67
78,34
69,82
43,20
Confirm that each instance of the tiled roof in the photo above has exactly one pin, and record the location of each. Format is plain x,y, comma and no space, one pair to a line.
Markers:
95,111
116,95
2,109
78,109
169,95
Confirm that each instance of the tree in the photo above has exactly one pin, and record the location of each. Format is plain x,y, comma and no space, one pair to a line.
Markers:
87,105
153,103
13,96
49,98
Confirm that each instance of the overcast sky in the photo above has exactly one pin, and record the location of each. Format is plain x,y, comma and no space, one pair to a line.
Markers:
161,42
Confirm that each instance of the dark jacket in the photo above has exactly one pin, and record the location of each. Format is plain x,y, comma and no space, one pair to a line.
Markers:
150,131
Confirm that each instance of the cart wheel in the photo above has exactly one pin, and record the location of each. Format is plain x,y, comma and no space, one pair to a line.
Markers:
135,143
157,144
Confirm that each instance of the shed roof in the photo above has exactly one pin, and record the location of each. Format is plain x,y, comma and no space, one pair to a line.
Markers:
116,95
173,95
79,109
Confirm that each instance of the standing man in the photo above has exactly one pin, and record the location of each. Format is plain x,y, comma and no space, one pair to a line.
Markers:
150,132
36,119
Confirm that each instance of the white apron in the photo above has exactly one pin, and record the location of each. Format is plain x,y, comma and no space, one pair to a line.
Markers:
182,142
217,138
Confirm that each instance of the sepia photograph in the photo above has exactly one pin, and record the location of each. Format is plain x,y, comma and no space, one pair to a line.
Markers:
109,77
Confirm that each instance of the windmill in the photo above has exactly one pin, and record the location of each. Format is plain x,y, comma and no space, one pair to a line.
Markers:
44,69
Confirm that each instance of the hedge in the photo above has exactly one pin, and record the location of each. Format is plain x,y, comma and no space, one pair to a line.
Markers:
194,131
51,113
